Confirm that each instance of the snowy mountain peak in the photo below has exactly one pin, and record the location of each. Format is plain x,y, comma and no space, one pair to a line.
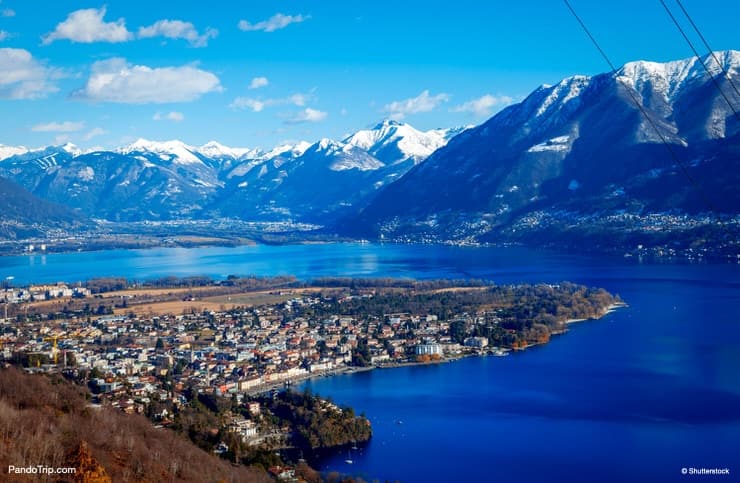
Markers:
214,149
669,77
325,144
560,94
343,156
301,147
330,147
293,150
730,59
175,151
71,149
386,123
7,152
10,151
393,142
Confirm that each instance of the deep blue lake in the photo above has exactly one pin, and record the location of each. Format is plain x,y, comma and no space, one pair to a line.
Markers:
635,396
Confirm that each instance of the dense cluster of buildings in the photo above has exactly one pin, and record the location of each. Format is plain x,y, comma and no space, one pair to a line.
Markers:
134,359
35,293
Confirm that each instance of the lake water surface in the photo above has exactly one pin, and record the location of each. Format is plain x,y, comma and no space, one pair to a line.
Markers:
636,396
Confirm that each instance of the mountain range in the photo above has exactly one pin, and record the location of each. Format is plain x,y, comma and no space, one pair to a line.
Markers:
576,155
149,180
651,145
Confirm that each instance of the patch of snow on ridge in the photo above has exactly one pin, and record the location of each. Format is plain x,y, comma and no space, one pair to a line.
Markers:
86,174
559,143
363,163
565,90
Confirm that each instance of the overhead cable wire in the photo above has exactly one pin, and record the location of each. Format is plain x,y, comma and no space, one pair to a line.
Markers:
630,91
698,56
706,44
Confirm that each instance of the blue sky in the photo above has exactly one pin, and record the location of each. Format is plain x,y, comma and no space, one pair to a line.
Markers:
259,73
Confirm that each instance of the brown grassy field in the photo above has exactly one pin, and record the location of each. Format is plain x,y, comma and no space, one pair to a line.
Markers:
456,289
153,292
215,303
144,301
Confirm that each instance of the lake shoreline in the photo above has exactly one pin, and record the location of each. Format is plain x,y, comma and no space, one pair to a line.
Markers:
491,352
611,308
658,378
129,241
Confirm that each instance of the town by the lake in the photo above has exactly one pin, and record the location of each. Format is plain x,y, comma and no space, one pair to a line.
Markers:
154,349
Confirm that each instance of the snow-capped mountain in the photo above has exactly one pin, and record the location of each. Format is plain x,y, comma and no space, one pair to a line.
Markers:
173,151
314,182
22,152
171,179
271,159
180,153
394,142
111,185
578,148
10,151
216,150
71,149
324,180
669,78
344,156
580,145
286,150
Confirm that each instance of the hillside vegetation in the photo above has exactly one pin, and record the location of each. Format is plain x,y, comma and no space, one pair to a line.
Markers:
48,421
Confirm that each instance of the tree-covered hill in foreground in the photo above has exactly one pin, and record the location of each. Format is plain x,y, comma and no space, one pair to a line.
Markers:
48,421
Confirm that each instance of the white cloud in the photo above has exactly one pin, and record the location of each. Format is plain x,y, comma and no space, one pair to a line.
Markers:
23,77
66,126
177,29
247,103
258,105
424,102
170,116
258,82
115,80
276,22
299,99
8,12
96,131
306,115
87,26
483,106
4,35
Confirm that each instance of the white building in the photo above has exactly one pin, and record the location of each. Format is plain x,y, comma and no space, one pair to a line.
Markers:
247,384
244,428
428,349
